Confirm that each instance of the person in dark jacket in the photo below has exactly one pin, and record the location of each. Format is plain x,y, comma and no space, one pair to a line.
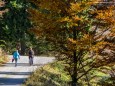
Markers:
31,56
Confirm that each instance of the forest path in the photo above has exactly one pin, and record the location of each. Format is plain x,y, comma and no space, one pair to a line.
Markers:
15,76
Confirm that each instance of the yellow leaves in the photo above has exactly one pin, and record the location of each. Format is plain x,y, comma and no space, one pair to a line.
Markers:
52,5
75,7
81,6
71,40
113,30
84,43
104,14
107,15
76,18
92,2
65,19
98,46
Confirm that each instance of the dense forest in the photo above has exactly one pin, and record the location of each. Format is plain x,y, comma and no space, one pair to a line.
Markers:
80,33
15,28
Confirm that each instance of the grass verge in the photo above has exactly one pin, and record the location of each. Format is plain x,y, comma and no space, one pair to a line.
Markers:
49,75
3,57
54,75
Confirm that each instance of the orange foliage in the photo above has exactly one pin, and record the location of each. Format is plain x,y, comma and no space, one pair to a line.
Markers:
68,25
2,3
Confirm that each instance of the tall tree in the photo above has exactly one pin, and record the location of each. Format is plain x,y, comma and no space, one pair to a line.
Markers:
15,23
2,11
71,26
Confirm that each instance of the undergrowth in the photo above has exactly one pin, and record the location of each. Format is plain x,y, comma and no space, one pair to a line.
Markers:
3,57
54,75
49,75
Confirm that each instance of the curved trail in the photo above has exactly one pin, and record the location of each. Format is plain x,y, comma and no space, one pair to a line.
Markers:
15,76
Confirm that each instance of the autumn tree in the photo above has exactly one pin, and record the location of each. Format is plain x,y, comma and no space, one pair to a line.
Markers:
71,27
104,33
105,26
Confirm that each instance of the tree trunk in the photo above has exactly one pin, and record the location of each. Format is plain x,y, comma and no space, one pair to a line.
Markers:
74,76
23,47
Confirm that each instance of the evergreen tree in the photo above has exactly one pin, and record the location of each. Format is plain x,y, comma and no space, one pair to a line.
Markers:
15,24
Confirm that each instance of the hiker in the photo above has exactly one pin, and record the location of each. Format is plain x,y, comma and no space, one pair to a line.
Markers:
16,56
31,56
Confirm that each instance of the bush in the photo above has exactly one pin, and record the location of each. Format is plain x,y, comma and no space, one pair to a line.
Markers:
49,75
3,56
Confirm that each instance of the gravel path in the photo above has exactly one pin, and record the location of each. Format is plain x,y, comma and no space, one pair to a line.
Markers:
15,76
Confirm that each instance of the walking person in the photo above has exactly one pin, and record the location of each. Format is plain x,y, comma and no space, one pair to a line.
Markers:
16,56
31,56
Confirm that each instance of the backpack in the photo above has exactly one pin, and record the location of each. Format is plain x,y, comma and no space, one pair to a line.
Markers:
31,52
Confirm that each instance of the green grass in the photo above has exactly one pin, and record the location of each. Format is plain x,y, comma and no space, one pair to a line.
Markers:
54,75
49,75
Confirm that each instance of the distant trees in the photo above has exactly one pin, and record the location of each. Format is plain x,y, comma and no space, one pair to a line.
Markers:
72,27
15,28
2,11
15,24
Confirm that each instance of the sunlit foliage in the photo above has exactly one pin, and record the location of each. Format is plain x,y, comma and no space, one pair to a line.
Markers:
77,29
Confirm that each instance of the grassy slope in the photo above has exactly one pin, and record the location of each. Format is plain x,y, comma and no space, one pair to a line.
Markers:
3,57
53,75
49,75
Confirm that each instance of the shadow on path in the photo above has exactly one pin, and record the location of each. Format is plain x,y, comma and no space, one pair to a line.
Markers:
15,73
19,64
15,76
11,81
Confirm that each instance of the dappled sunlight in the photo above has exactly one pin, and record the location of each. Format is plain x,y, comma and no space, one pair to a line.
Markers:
11,75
